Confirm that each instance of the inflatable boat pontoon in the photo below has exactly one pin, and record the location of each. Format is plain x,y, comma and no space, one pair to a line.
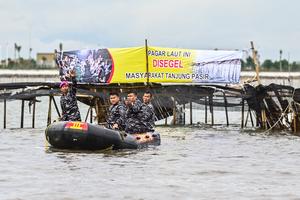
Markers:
85,136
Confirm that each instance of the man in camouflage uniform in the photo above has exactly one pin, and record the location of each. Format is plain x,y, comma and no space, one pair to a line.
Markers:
139,116
68,100
148,117
133,114
116,113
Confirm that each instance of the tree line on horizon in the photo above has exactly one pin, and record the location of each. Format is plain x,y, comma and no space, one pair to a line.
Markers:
269,65
21,63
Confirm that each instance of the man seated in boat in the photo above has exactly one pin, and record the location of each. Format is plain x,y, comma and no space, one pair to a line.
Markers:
134,115
148,117
116,113
68,100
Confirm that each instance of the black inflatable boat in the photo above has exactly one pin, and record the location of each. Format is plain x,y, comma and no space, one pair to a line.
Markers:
85,136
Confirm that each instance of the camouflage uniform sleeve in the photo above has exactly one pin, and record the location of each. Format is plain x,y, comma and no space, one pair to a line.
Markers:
122,112
147,113
136,107
153,113
73,87
109,116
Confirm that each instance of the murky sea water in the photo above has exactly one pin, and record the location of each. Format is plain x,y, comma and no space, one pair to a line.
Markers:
199,162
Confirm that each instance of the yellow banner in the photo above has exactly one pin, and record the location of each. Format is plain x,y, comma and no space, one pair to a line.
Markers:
129,65
170,64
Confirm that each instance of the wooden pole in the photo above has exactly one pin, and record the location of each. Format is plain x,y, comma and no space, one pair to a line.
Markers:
91,114
211,108
49,111
33,113
97,108
246,121
264,119
160,110
295,122
251,117
174,111
22,113
243,108
191,112
147,64
205,109
56,107
4,115
87,115
184,114
226,111
257,119
257,67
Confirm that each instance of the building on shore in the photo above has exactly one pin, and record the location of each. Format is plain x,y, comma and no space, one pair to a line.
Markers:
45,59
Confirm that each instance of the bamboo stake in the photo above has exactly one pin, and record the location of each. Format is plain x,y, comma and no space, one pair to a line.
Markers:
226,111
251,117
91,114
56,107
191,112
87,114
263,119
243,106
4,113
183,114
22,113
174,111
147,64
205,109
33,113
49,111
257,67
97,109
211,107
295,122
246,121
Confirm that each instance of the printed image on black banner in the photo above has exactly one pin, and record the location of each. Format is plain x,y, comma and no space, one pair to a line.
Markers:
91,66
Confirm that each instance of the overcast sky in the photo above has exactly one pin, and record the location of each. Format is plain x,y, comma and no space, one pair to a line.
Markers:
194,24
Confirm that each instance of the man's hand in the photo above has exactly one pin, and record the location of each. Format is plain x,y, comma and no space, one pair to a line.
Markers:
72,73
115,126
128,103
